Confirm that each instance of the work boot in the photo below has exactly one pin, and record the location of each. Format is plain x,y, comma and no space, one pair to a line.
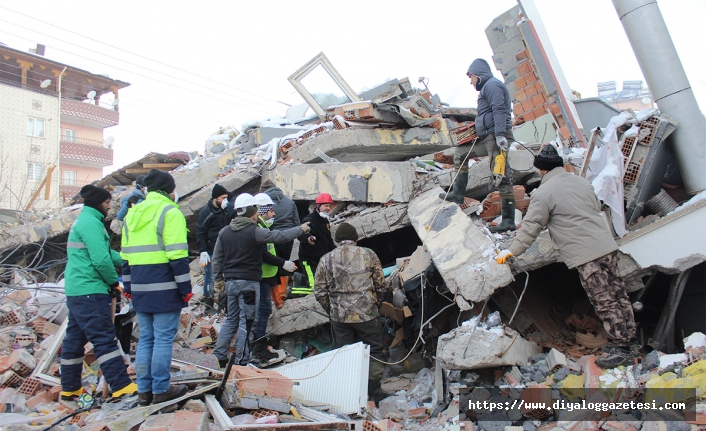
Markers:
375,393
144,399
260,351
71,395
173,392
634,347
128,390
457,190
617,357
508,216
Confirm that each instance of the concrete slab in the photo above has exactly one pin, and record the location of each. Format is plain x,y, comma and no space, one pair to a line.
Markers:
39,230
296,315
521,162
376,221
356,182
486,348
202,173
461,250
359,145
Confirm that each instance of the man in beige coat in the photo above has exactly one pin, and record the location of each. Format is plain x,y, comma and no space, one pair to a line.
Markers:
568,207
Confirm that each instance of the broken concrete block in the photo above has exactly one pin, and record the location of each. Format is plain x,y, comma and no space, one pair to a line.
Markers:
414,265
479,175
274,404
360,145
38,231
488,348
460,250
357,182
160,422
296,315
555,359
22,362
185,420
375,221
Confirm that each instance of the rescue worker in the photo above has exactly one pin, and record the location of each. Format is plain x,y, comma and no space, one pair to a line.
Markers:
214,216
286,216
316,243
494,129
271,264
91,280
156,278
237,258
350,286
568,207
138,191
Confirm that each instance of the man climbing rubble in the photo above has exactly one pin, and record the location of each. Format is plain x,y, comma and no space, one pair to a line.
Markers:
568,207
271,265
156,277
494,129
316,243
213,217
91,280
237,258
350,286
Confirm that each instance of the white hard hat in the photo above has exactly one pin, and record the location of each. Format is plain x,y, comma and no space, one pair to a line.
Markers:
263,199
244,200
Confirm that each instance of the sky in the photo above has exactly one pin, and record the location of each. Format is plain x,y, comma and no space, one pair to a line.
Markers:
201,66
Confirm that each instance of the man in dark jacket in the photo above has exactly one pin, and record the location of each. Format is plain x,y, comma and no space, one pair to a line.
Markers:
567,206
494,129
90,280
237,258
213,217
286,215
138,191
316,243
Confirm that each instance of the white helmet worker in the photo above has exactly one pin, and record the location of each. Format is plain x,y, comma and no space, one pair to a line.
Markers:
263,199
243,202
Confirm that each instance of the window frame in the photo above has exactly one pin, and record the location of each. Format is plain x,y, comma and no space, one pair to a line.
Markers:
68,138
32,166
34,120
72,180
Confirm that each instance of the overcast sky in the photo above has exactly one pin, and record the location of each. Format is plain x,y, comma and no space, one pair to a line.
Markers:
195,68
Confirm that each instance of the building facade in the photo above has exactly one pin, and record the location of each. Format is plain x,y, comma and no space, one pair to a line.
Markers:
52,122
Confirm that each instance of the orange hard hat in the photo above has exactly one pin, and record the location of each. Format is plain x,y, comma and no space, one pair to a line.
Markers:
324,198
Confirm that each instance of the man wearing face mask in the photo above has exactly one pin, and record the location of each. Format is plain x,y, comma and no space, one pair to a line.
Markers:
318,242
213,217
270,269
156,277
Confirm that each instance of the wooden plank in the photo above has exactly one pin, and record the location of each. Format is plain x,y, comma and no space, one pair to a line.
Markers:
160,165
47,186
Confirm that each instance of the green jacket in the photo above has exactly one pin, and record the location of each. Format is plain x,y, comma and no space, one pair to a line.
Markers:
91,265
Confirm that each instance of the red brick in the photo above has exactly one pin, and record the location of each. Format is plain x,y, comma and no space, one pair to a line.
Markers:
530,78
536,394
21,362
521,55
54,392
524,68
520,96
539,87
539,100
529,116
280,388
4,364
254,381
41,397
159,422
530,91
527,106
186,420
538,112
30,387
517,109
581,426
591,371
565,133
520,82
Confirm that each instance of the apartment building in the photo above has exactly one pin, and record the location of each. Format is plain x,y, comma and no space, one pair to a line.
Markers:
52,122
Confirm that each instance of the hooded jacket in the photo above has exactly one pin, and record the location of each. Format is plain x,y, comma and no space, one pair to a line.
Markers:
494,103
124,206
568,207
286,213
240,246
211,221
321,229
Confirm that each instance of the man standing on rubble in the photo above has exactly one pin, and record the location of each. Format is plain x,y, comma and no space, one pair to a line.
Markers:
214,216
156,277
138,191
91,280
315,244
286,216
237,258
271,265
568,207
350,286
494,129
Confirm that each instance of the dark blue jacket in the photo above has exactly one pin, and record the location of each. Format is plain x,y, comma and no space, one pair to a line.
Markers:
123,204
494,103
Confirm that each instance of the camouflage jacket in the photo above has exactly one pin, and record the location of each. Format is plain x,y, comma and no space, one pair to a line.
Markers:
350,284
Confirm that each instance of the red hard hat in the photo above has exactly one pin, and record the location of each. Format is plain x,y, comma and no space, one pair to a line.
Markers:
324,198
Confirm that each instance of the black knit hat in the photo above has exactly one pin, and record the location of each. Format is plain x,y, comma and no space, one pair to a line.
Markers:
266,185
218,190
94,196
548,158
140,181
158,180
346,231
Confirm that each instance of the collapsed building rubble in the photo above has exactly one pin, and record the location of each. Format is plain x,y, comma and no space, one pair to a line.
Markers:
526,331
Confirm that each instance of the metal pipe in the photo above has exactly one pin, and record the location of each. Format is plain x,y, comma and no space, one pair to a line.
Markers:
665,76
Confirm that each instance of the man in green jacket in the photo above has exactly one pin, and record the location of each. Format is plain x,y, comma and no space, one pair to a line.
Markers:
91,279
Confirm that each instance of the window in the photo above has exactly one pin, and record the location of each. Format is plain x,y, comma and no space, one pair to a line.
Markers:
70,135
35,127
34,172
69,178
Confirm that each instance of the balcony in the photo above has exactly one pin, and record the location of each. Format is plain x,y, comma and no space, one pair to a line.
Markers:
68,188
88,114
85,150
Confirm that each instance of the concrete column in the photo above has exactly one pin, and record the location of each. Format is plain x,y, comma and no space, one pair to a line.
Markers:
665,76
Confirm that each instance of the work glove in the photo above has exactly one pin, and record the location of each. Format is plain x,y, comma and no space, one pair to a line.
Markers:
289,266
128,295
114,290
502,143
503,256
305,227
187,297
205,258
